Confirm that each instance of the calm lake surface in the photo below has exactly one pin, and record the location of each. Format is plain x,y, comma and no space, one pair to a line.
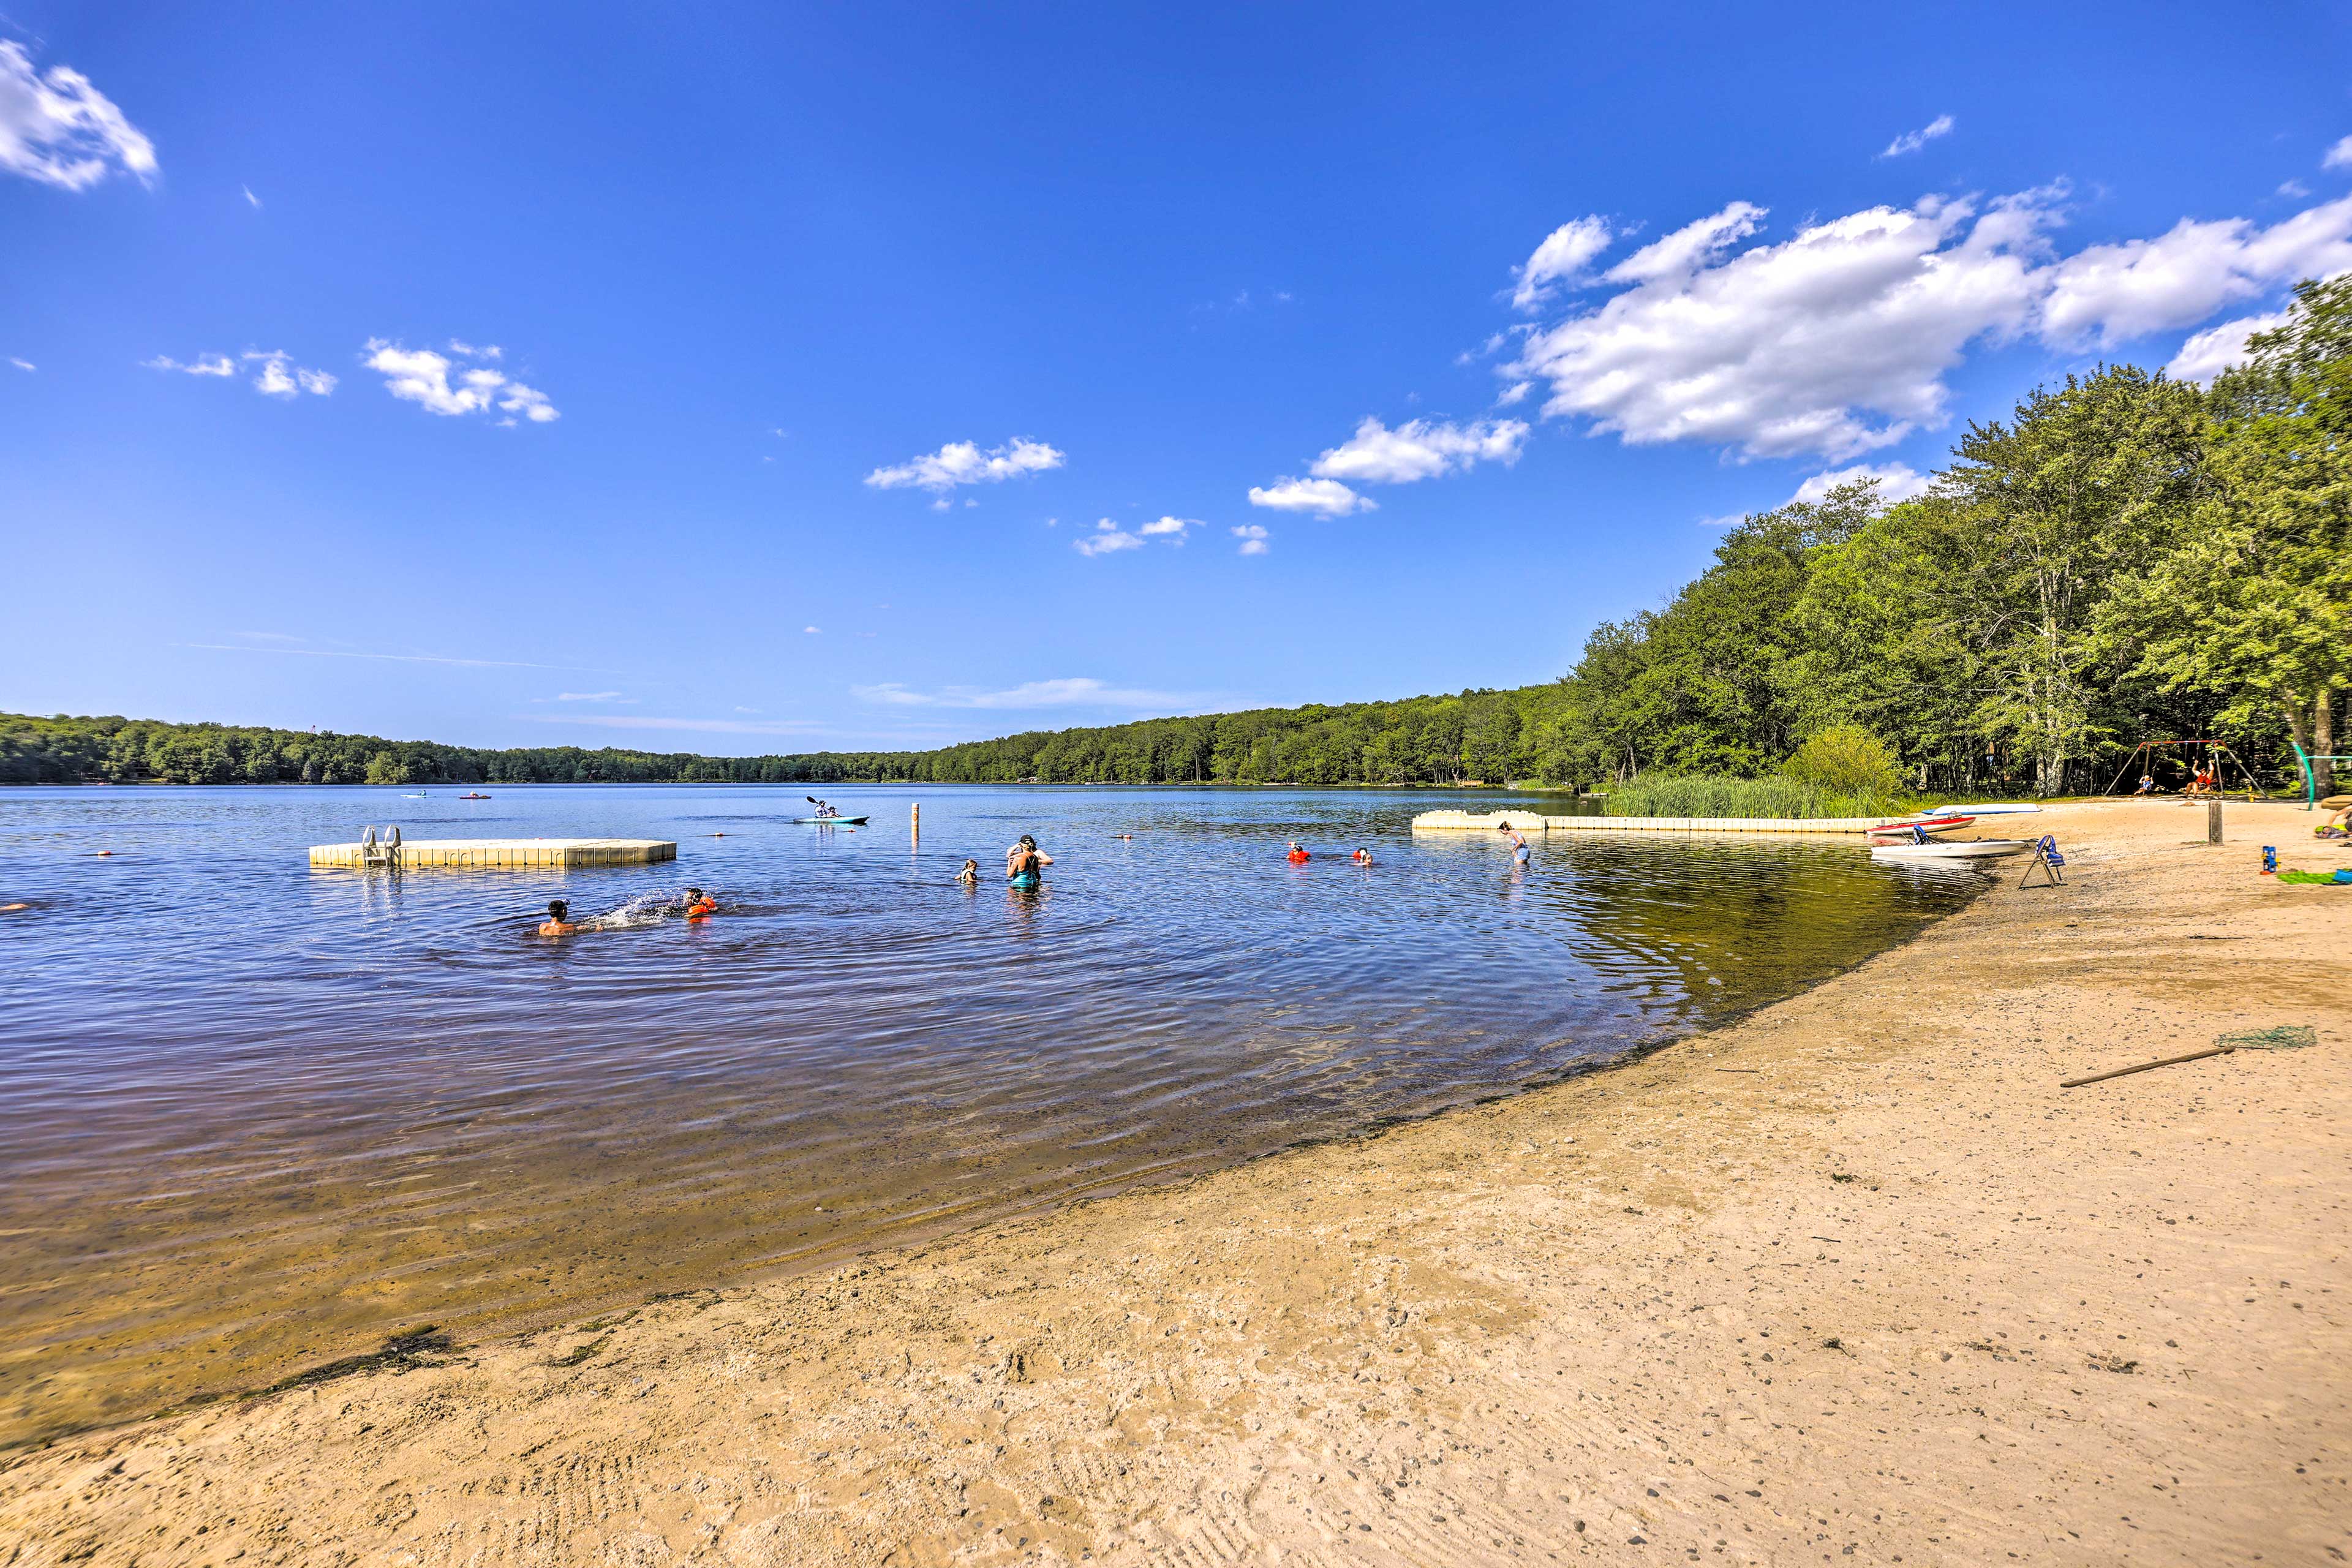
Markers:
258,1117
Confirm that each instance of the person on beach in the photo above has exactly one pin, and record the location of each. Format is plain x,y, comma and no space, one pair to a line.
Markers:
559,922
1025,863
969,874
700,905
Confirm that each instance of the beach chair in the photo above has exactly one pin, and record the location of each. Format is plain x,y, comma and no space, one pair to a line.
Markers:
2046,860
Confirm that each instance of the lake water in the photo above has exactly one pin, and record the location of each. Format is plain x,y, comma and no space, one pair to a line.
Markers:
259,1116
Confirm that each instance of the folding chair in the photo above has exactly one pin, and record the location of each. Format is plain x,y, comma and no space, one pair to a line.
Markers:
2048,861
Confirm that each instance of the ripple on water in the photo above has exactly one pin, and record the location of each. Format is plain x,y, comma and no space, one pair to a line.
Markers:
261,1116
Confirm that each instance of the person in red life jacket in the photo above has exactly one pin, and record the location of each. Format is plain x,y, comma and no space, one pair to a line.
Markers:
1298,853
700,905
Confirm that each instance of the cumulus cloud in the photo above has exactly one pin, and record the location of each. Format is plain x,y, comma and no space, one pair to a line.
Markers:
1078,691
1418,449
1836,341
1108,537
1323,497
1253,538
963,463
1897,481
279,376
2107,294
1912,141
425,378
1690,246
203,364
2338,156
2216,349
1168,528
1560,261
56,127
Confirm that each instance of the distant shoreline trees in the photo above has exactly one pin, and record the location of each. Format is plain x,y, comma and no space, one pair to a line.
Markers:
2126,557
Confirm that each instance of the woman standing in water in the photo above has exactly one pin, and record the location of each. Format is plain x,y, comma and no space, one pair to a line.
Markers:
1025,863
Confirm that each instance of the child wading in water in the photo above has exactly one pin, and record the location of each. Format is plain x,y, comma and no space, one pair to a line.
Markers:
969,874
559,919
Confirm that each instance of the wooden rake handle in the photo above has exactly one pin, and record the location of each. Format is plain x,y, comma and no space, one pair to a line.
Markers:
2169,1062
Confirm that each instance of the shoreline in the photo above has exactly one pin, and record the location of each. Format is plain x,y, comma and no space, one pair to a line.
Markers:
1531,1324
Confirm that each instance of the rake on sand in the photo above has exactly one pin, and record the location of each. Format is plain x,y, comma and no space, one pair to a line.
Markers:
2280,1038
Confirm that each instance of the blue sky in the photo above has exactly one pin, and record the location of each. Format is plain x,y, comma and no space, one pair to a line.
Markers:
887,375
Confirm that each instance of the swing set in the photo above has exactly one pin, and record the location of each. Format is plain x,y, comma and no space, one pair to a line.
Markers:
2311,775
2206,783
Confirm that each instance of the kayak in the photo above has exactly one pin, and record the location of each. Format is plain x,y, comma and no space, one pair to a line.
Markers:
851,821
1904,827
1965,849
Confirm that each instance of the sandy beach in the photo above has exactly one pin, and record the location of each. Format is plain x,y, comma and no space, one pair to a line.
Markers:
1855,1278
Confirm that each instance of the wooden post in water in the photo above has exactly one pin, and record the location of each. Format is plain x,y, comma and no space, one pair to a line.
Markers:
918,822
2213,821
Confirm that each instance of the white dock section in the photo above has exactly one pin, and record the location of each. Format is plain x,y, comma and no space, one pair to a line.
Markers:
1535,822
495,854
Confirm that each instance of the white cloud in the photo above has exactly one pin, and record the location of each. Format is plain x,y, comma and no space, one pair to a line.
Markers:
1170,528
1108,537
588,697
712,726
1560,261
1082,692
250,198
203,364
2216,349
1514,392
2339,157
22,363
1690,246
57,129
1418,449
1253,537
963,463
1897,481
813,631
279,376
1912,141
2295,188
1837,339
423,377
464,350
2108,294
1323,498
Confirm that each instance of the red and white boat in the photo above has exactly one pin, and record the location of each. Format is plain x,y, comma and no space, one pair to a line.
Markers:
1930,823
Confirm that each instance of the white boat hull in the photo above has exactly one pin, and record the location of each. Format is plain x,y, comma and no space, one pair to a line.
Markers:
1993,810
1962,849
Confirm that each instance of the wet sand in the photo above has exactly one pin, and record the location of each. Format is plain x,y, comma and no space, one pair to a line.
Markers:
1855,1277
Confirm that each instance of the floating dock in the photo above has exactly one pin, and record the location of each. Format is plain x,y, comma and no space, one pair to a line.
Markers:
494,854
1535,822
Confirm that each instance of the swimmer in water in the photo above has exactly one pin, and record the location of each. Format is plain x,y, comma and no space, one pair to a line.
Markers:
1298,852
700,905
1026,859
969,874
1362,856
559,921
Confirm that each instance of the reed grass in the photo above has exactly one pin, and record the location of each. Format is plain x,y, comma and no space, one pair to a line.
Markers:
1720,795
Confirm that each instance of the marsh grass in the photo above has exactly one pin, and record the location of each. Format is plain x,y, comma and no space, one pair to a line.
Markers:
1719,794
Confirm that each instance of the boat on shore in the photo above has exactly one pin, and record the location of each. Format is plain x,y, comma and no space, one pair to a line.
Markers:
1925,848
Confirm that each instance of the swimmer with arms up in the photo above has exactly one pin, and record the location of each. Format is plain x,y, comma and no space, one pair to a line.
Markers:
1025,863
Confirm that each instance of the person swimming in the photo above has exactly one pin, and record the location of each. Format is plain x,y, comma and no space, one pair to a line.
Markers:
559,922
969,874
700,905
1299,855
1025,863
1362,857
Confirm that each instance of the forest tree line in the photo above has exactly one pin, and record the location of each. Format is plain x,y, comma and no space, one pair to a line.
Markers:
2125,558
